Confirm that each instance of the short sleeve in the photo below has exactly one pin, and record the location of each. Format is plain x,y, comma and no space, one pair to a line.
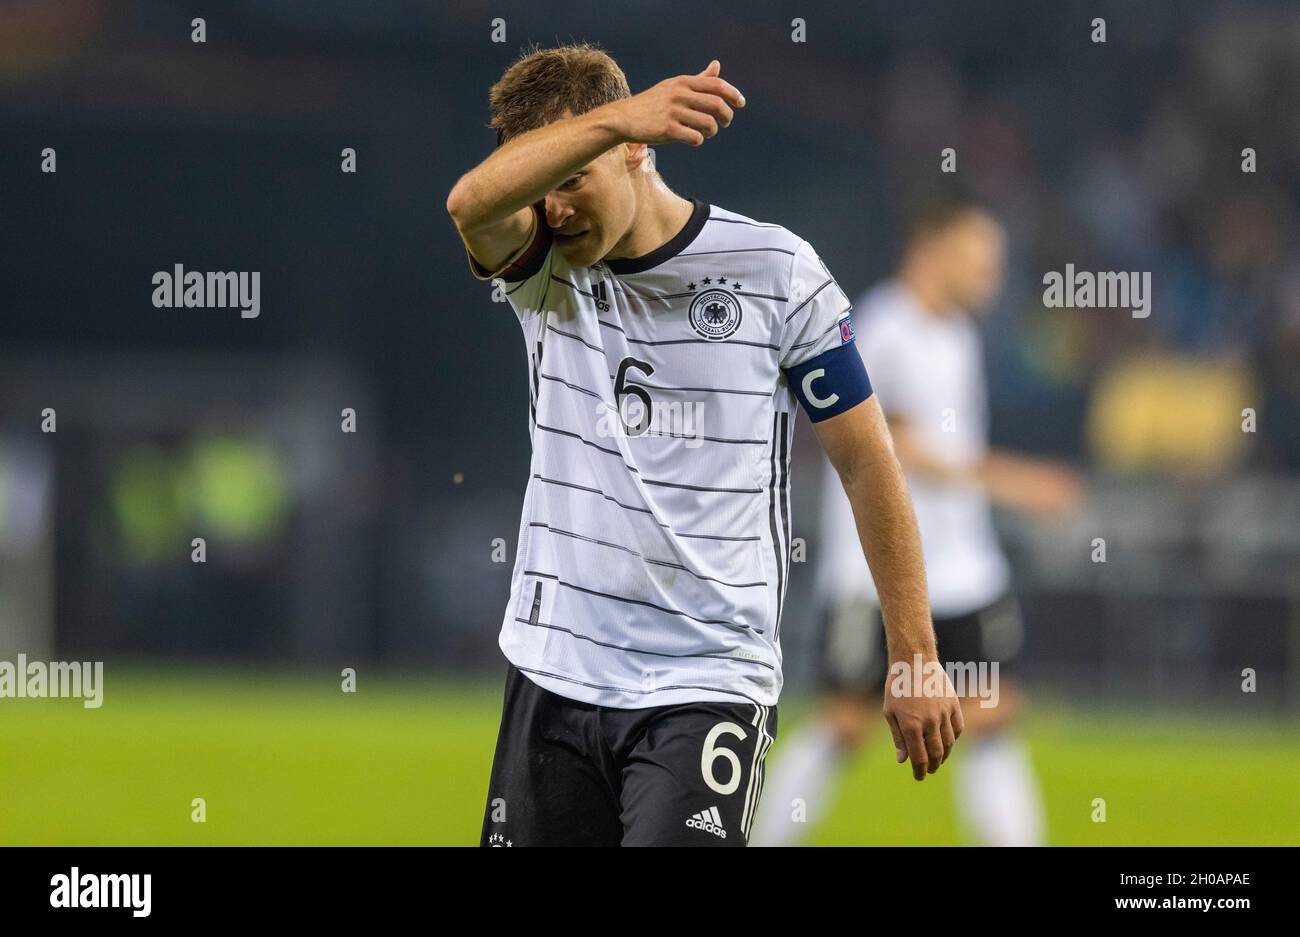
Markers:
814,310
818,349
526,273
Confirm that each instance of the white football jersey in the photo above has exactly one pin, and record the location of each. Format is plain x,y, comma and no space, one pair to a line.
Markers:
653,551
927,369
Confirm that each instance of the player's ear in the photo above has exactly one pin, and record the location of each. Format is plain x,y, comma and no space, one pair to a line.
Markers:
637,157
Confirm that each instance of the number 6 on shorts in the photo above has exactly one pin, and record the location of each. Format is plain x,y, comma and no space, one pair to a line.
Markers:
713,751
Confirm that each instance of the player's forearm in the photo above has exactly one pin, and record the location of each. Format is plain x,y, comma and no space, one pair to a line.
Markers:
997,474
891,543
917,459
524,169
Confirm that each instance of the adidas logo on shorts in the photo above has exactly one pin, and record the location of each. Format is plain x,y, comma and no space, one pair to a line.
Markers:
708,820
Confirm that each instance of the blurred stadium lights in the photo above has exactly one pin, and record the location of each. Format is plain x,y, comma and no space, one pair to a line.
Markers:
260,468
26,546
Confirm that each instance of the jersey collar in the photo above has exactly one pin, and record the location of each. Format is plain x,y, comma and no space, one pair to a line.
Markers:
669,249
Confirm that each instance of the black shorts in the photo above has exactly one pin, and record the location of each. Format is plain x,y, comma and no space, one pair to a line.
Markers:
567,773
852,652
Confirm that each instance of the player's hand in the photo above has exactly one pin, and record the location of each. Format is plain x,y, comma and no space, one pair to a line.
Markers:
1063,488
685,109
1051,489
925,727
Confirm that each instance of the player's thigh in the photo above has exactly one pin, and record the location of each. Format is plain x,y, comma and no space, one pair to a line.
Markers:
695,776
979,648
850,646
853,717
549,786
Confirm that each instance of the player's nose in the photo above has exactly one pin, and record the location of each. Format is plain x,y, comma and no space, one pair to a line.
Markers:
556,210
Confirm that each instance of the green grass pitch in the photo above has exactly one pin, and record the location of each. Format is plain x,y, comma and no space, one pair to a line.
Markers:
289,759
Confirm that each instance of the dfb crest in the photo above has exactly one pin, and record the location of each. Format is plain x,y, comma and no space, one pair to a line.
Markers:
715,314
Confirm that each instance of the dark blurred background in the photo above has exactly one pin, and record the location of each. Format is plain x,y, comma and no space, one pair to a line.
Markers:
383,546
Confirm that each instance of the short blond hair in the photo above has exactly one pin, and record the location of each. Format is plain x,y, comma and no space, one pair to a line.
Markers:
545,83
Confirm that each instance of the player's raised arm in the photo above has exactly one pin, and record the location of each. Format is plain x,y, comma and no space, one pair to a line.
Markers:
1012,480
858,444
490,204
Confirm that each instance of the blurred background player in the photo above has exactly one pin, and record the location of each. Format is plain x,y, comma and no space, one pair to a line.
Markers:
918,335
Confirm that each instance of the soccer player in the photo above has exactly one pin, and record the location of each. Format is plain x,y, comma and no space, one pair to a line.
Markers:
921,345
667,341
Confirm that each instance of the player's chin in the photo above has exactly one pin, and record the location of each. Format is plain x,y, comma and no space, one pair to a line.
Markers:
581,251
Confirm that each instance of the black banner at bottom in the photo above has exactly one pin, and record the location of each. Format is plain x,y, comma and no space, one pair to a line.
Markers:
139,887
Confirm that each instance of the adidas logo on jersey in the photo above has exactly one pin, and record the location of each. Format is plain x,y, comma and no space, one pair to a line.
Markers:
709,821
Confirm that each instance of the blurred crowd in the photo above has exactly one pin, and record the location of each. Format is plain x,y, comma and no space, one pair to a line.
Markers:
1196,179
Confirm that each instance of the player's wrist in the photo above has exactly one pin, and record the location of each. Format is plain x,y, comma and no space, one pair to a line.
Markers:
610,120
917,658
908,651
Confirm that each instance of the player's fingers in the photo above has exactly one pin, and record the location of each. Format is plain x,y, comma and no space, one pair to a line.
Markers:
714,106
917,752
706,124
717,87
712,69
933,748
947,735
680,130
958,720
689,136
900,746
